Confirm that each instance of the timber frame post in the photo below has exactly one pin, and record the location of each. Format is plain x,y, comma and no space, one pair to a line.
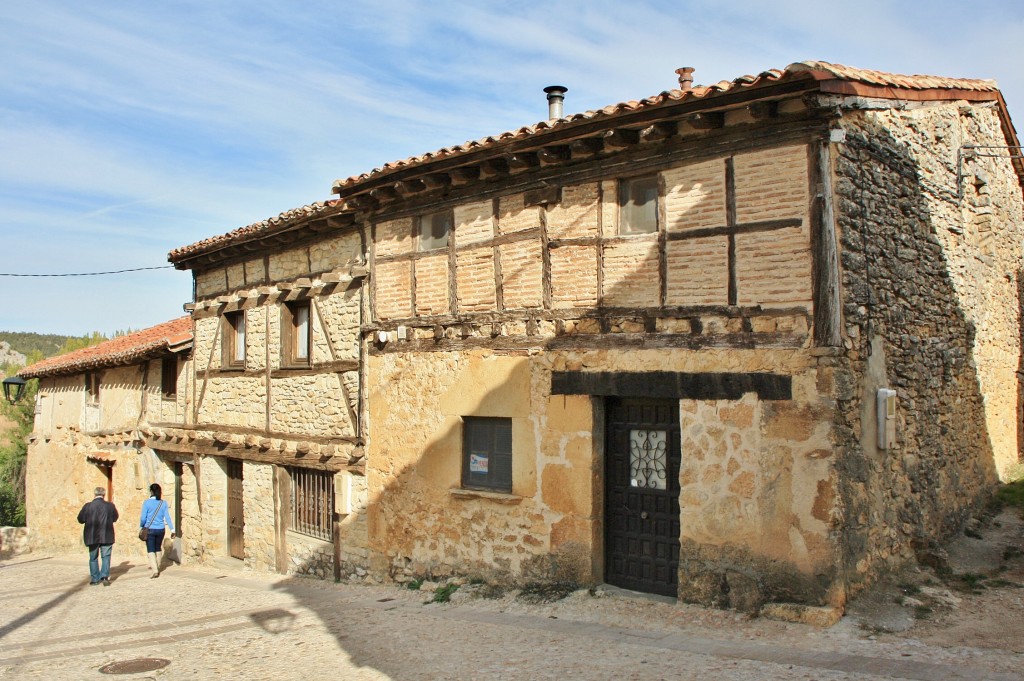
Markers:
824,250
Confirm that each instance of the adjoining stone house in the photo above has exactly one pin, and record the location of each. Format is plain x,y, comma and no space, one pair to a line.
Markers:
91,408
743,343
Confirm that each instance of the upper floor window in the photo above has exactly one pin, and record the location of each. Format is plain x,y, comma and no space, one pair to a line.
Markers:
92,388
169,376
296,340
638,205
487,453
434,230
233,343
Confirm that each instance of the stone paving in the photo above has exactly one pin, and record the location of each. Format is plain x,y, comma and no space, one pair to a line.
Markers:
225,623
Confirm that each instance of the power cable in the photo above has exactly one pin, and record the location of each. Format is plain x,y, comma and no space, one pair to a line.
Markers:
88,274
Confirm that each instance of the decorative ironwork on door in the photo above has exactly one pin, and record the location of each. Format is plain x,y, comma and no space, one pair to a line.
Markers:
647,458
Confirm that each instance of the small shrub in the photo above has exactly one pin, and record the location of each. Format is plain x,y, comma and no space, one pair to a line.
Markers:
414,585
922,612
1012,494
545,593
444,593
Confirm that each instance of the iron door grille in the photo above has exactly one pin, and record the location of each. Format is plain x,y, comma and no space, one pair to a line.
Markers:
312,503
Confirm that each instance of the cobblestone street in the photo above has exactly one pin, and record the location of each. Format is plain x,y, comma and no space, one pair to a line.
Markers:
224,623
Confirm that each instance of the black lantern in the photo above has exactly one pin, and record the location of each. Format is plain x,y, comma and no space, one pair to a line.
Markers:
14,388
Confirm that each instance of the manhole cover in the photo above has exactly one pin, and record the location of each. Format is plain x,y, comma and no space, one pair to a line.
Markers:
141,664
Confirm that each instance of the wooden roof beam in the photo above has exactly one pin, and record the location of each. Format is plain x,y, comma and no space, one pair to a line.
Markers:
436,181
408,188
554,155
659,131
464,175
621,138
585,148
384,194
493,169
362,202
760,111
710,120
521,162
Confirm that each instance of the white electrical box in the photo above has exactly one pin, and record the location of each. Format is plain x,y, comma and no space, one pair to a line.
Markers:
886,404
343,494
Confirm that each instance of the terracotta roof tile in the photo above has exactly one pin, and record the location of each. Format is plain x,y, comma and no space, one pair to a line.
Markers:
280,222
119,351
817,69
813,70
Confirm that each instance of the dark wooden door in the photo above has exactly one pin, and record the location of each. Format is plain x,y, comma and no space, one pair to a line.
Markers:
236,516
641,512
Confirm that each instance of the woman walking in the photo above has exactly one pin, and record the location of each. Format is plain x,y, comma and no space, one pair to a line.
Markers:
156,518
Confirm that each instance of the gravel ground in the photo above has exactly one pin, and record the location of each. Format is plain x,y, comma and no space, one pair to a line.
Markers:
210,622
213,621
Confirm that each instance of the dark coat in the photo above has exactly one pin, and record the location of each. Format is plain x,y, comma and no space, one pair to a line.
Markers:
98,516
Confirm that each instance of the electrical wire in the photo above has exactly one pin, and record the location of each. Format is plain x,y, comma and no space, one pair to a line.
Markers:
88,274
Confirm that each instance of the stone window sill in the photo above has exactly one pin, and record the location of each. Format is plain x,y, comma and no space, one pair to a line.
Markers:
496,497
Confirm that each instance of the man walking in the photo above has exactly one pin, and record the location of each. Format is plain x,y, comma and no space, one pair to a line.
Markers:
99,517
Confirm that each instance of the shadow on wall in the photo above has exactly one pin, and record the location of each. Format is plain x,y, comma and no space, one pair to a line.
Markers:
900,296
911,331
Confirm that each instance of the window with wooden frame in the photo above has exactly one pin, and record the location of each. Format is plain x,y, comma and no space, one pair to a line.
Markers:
487,453
169,377
233,340
312,511
296,339
638,205
92,388
434,229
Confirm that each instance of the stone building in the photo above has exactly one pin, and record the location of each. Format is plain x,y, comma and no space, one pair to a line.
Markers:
91,410
744,343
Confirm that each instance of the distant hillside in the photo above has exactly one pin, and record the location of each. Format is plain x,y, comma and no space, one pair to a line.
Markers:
43,344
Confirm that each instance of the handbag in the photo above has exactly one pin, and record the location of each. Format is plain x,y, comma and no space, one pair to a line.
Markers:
144,531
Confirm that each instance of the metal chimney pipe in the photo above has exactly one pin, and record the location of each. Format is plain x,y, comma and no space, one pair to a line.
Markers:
556,95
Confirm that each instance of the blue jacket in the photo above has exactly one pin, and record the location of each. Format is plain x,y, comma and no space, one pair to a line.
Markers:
161,519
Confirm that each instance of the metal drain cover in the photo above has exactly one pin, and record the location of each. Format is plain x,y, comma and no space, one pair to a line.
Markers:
139,664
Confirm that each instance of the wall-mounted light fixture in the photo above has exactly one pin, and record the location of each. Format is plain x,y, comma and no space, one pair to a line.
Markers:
14,388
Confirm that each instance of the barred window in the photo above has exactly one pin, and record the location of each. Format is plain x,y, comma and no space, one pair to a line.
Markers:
312,502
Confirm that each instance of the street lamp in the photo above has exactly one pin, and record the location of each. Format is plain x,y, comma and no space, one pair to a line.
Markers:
14,388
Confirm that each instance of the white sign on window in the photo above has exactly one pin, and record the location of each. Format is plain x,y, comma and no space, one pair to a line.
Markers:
477,463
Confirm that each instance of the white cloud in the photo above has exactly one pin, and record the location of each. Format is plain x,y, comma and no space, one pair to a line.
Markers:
128,129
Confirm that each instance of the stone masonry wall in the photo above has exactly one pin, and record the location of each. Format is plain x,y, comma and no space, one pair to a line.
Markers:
258,508
758,501
213,490
932,311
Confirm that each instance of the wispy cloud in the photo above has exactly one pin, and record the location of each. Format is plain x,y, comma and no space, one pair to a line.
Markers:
128,129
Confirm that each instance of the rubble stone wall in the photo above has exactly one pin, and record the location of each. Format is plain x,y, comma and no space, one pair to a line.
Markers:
931,281
758,491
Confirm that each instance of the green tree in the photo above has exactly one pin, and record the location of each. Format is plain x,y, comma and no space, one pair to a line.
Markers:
14,457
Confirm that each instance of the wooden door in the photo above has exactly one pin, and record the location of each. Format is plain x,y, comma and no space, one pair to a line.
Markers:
641,514
178,497
236,515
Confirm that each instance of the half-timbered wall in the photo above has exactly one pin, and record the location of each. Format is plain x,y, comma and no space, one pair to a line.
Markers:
732,231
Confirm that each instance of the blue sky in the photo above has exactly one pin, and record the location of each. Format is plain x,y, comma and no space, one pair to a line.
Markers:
128,129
